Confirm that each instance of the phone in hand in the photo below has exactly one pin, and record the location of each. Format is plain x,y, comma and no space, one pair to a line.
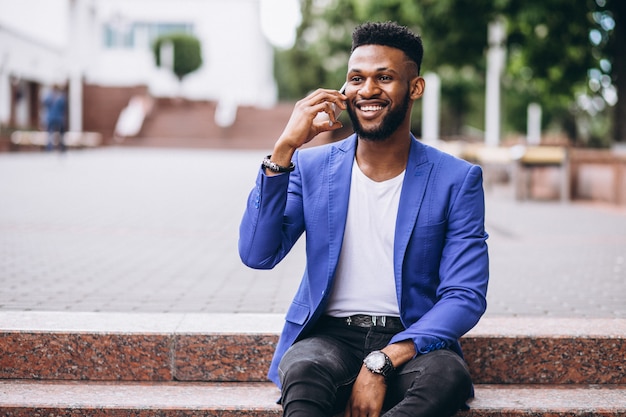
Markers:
337,110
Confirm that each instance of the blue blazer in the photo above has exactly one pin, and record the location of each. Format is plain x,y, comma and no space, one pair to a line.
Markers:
441,264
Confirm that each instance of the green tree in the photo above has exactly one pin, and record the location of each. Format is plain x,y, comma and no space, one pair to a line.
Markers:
564,61
613,48
187,53
320,52
454,33
558,52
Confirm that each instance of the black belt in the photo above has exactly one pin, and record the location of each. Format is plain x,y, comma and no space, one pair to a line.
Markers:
364,320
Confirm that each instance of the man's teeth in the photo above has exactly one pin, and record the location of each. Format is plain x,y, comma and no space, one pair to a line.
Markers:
371,108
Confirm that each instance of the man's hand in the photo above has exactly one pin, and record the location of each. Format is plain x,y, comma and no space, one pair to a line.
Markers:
368,395
303,125
368,392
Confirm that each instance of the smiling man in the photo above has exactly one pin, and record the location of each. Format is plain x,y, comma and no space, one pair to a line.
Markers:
397,262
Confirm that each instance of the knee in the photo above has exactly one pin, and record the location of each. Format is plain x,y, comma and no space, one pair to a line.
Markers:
296,369
312,360
444,371
307,389
452,375
437,383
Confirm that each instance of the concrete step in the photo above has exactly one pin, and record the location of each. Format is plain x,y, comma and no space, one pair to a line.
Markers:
191,124
239,347
36,398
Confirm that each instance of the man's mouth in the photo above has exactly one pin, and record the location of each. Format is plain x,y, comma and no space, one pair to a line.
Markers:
370,110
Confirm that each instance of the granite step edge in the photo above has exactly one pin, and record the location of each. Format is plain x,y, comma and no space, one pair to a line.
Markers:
19,398
235,347
254,323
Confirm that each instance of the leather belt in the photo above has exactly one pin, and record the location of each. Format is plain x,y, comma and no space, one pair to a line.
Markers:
364,320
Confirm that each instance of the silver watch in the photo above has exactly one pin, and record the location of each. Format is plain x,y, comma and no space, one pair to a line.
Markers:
378,362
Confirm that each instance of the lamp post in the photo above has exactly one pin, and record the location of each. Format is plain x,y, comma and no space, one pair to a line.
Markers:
430,109
533,124
495,66
75,64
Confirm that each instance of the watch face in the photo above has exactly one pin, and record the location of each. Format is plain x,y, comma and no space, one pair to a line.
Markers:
375,361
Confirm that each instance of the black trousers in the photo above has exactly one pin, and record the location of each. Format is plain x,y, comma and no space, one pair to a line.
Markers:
317,374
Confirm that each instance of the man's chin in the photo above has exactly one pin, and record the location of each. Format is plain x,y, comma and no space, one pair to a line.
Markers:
379,134
372,137
373,134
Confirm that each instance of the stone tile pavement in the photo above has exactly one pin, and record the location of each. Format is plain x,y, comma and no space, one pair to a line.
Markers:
155,230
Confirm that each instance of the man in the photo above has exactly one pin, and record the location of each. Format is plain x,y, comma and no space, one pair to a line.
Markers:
397,263
55,105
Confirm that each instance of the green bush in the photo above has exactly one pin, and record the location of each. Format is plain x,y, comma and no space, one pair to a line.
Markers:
187,52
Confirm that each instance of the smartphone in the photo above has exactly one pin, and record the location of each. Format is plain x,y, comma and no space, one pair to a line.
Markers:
335,108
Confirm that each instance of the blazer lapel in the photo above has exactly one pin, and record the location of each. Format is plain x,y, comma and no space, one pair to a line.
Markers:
340,174
411,199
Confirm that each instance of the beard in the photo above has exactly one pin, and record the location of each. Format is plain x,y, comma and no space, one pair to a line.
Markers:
390,123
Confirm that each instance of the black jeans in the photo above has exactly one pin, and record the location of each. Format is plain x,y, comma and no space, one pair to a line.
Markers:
317,374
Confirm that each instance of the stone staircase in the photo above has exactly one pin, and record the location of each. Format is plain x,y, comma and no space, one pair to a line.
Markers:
179,365
191,125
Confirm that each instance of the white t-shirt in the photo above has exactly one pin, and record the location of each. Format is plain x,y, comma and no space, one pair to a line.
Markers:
364,282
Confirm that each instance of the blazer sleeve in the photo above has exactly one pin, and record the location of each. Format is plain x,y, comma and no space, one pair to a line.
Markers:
272,221
463,272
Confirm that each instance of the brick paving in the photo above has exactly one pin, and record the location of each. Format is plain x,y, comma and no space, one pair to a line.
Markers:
155,230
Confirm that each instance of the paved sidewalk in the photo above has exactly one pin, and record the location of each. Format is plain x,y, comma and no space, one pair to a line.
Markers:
149,230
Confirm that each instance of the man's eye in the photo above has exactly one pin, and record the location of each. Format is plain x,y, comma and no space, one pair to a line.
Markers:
385,78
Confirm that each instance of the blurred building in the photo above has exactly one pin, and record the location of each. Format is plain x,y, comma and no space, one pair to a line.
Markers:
101,50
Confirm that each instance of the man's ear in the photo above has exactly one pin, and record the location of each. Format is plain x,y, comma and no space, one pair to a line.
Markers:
417,87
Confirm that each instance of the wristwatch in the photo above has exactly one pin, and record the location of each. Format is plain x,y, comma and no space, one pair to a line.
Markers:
379,363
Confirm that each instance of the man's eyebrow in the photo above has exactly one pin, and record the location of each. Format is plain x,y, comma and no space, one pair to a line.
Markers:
380,69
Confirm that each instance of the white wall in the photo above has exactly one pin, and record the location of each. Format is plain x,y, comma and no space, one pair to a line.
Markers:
237,58
42,40
22,57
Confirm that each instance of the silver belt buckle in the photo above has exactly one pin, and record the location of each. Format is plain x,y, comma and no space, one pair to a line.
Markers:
382,319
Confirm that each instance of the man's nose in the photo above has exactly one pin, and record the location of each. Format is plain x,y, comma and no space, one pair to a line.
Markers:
369,88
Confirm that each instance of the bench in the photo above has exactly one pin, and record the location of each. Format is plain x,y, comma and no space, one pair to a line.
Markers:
532,167
71,139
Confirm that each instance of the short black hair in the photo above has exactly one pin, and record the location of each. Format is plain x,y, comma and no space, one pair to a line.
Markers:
389,34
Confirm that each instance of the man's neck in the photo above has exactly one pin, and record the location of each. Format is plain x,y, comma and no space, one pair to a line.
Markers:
383,160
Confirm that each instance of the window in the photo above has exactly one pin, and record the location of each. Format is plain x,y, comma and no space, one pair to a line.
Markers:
139,35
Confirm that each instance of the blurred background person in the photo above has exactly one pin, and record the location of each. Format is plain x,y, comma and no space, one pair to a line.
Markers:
55,117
